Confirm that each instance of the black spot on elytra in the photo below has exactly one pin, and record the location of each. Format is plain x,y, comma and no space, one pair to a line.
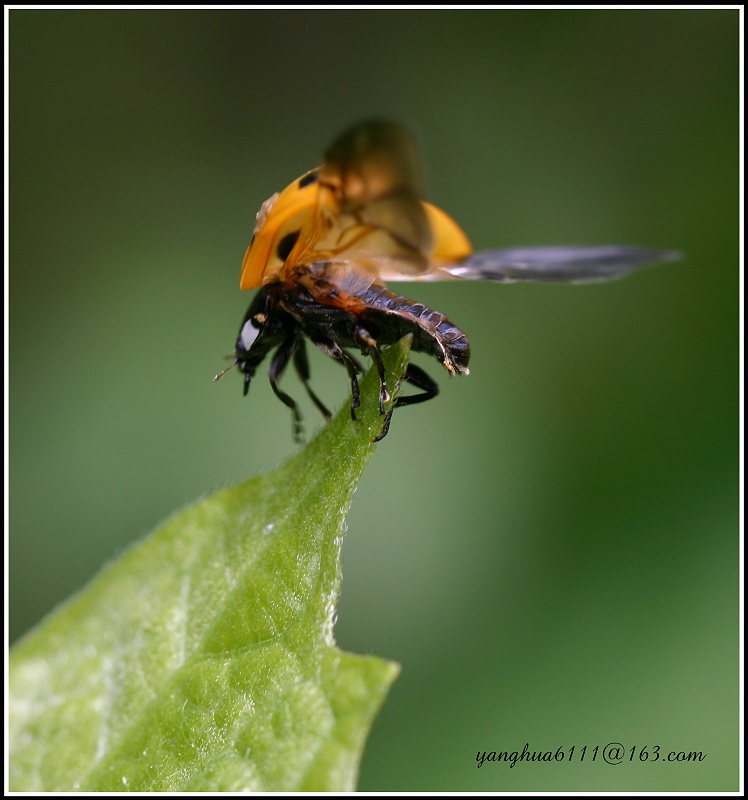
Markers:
308,179
285,245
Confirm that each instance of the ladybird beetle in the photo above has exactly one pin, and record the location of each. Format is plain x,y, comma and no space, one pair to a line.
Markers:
325,247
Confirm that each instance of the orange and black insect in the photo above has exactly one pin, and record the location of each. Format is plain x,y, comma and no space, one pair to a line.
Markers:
325,247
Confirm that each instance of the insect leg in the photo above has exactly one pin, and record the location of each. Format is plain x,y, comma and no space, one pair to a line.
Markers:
365,339
356,363
301,363
421,380
334,350
277,368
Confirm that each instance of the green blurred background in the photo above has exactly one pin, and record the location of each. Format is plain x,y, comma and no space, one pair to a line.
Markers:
550,548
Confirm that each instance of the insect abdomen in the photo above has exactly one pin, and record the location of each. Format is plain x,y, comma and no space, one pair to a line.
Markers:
390,317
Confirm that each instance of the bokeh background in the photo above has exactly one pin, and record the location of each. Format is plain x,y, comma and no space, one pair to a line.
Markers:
550,548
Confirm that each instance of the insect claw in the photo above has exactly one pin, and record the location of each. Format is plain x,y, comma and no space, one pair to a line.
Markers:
385,427
298,432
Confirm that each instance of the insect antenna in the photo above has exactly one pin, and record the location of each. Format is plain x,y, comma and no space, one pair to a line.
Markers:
224,371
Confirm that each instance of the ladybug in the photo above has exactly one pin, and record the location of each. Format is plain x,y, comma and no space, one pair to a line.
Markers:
325,248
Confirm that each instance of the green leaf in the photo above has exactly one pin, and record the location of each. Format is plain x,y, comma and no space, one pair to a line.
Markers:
203,659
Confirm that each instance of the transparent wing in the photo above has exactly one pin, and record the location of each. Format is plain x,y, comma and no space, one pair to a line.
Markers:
370,202
563,264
